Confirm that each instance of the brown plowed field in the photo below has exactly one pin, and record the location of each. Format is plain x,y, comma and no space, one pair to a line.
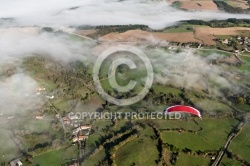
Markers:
205,35
196,4
140,36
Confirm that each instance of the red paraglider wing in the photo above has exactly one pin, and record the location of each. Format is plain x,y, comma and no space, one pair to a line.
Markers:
183,108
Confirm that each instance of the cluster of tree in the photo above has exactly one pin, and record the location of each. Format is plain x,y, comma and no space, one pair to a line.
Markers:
47,29
187,151
26,158
112,134
106,29
176,4
69,79
161,150
182,130
236,98
239,99
171,147
191,44
206,153
154,98
110,144
163,98
222,5
174,157
231,22
40,146
114,138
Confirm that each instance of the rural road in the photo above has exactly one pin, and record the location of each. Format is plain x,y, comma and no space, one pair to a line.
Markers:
229,140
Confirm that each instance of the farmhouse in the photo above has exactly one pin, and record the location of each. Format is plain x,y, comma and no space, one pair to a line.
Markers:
85,127
57,116
79,138
225,41
66,120
16,162
39,117
40,89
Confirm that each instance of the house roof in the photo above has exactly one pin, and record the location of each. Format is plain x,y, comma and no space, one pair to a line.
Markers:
16,162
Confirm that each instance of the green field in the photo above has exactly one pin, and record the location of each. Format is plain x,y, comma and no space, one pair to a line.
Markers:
56,157
212,105
50,158
241,144
184,159
209,52
246,63
243,107
170,124
37,125
98,157
8,150
139,152
95,137
229,162
213,136
166,89
123,79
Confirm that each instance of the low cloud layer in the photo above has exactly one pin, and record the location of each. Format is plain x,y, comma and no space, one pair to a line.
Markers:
16,43
18,90
185,69
156,14
18,93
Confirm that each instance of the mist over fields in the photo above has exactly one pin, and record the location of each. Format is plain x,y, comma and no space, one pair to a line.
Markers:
17,43
37,52
156,14
184,69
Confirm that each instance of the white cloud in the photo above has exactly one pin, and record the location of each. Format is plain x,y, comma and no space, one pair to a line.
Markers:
18,93
156,14
16,43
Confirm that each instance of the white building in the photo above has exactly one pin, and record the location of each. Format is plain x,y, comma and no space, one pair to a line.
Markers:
16,162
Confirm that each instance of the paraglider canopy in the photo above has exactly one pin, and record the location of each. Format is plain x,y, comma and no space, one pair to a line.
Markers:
183,108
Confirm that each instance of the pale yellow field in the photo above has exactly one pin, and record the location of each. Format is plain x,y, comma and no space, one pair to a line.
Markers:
196,4
238,3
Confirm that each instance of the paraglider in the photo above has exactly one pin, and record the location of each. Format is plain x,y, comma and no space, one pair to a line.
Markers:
184,109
